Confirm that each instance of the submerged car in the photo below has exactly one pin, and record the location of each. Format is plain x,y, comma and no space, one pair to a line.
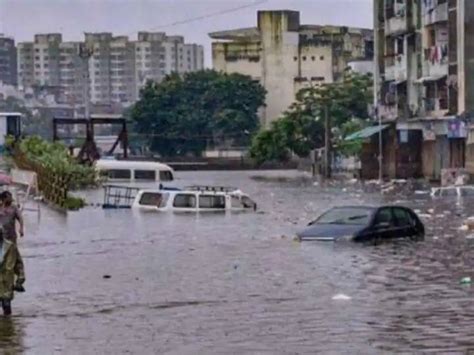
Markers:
362,224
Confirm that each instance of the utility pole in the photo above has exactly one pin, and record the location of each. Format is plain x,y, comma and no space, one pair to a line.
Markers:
327,142
379,117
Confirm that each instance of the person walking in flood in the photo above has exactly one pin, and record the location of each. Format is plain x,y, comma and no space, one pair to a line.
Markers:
12,272
9,215
11,262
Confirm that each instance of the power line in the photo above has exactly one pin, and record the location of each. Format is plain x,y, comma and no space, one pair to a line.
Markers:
206,16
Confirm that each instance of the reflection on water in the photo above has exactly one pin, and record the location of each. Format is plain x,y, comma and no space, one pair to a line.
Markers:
11,337
238,283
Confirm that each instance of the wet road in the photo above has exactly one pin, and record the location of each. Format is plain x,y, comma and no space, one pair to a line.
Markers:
233,284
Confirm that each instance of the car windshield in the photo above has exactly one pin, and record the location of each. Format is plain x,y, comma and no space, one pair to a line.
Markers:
351,216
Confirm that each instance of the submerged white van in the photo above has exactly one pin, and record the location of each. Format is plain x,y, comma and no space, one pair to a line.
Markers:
130,170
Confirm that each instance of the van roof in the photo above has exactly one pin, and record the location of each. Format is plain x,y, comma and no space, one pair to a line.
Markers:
131,164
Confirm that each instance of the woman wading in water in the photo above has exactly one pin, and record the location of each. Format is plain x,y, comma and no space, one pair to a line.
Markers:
12,274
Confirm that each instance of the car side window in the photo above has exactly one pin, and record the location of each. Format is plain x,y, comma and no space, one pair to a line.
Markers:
402,217
384,215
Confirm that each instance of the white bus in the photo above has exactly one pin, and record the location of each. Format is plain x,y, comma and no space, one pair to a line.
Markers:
129,170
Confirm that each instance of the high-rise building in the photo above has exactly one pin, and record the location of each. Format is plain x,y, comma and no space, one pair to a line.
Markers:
424,84
285,56
106,68
8,61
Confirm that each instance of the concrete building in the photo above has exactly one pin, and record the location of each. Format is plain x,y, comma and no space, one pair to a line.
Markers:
8,61
285,56
424,84
113,73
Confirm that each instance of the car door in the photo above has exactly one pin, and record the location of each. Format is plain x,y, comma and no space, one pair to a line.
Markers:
383,226
404,226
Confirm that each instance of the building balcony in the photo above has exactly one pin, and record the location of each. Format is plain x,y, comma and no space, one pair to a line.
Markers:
388,112
396,68
435,107
396,26
436,14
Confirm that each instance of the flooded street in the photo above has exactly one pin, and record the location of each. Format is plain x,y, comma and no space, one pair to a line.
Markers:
238,283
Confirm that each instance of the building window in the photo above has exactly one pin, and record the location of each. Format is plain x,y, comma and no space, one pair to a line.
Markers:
37,58
295,58
313,58
321,58
304,58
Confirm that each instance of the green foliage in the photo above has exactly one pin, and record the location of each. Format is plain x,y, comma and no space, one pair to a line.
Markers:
301,128
353,147
182,115
74,203
56,158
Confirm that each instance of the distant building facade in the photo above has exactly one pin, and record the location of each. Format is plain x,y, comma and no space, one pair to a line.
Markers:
114,71
424,85
8,61
285,56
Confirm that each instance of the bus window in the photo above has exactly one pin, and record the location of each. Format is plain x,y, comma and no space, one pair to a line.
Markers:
119,174
145,175
166,175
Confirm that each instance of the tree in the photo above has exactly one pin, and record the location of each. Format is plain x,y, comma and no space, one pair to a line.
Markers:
183,114
301,127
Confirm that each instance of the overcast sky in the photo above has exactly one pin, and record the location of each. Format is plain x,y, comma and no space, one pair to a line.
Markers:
21,19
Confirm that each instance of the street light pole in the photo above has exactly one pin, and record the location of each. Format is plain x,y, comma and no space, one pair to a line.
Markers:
327,143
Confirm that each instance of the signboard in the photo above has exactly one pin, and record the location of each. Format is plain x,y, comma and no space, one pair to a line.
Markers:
457,129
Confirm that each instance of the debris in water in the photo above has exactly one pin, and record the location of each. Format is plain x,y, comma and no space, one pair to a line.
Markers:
341,297
424,215
431,211
470,236
315,183
464,228
106,276
466,281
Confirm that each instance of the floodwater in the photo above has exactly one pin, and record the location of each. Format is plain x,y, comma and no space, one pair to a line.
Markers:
238,283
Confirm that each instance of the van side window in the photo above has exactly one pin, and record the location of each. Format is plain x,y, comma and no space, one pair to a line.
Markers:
145,175
119,174
184,201
212,201
153,199
166,175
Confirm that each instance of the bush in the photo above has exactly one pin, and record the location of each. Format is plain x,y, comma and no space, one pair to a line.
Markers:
57,170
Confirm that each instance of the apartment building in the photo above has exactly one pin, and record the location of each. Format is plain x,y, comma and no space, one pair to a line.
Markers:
106,68
8,61
285,56
423,84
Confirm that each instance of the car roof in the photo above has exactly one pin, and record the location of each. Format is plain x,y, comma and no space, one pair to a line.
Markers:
355,206
371,208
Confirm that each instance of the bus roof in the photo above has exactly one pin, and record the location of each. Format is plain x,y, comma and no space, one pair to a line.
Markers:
131,164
